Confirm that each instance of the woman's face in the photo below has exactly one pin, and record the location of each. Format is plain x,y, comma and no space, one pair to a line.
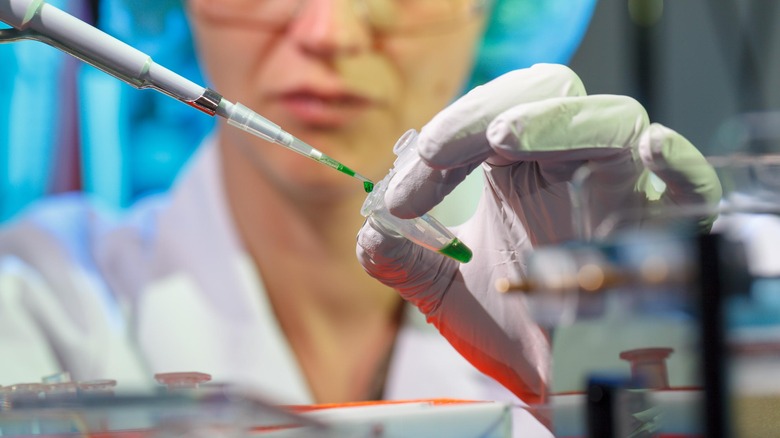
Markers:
331,80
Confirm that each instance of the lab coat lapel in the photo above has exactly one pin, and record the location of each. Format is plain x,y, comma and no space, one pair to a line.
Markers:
207,294
424,365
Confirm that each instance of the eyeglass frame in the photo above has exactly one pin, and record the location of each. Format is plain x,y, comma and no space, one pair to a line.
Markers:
477,7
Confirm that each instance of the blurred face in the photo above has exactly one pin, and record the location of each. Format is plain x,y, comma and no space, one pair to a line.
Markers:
347,82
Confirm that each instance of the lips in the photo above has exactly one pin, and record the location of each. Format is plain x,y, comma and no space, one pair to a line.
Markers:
324,110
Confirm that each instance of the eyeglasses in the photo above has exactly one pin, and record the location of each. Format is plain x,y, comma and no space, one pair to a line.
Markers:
385,16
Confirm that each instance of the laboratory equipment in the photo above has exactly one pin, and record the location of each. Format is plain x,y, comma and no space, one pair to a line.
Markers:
221,410
648,366
627,354
37,20
206,413
425,230
182,380
721,289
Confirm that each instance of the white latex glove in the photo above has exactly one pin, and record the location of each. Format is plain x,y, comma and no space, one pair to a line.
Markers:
531,129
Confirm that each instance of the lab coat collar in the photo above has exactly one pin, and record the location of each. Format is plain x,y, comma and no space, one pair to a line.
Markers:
203,287
202,290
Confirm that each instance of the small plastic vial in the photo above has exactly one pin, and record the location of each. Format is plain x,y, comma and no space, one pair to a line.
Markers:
59,386
182,380
61,377
60,391
648,366
425,230
27,390
103,387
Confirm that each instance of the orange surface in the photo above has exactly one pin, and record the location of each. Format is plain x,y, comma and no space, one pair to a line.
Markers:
433,401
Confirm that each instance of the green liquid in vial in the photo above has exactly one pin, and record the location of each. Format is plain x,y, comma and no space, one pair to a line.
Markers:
457,250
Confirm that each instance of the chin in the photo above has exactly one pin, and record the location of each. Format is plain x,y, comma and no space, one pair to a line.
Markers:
322,185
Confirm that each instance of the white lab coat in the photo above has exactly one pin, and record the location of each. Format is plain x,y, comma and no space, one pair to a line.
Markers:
169,287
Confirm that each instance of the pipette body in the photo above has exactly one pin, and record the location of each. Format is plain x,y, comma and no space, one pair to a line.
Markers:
245,119
37,20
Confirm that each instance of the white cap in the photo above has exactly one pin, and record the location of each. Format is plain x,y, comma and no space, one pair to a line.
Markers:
18,13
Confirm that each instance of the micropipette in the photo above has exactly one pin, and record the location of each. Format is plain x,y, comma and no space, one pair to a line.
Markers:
37,20
242,117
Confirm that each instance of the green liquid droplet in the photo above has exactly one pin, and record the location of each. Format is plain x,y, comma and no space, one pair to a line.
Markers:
368,186
457,250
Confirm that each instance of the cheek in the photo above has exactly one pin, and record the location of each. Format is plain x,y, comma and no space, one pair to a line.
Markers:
433,71
229,74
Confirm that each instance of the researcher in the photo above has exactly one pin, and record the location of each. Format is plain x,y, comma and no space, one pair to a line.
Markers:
246,268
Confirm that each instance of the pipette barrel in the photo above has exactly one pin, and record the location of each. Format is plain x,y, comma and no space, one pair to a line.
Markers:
243,118
43,22
37,20
247,120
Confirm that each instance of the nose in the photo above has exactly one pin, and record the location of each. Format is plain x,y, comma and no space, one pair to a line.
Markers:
328,28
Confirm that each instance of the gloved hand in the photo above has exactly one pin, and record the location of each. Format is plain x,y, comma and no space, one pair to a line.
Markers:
531,130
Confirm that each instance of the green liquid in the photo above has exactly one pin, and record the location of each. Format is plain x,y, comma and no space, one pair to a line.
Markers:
330,162
457,250
344,169
368,186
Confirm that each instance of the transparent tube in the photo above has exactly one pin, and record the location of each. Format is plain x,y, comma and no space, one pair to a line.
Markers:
425,230
243,118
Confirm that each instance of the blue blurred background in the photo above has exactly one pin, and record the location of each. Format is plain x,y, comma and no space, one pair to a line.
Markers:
66,126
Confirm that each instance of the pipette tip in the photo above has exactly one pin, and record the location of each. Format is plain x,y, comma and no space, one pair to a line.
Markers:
368,185
363,178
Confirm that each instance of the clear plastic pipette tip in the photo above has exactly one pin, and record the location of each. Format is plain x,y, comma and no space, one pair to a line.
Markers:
247,120
362,178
